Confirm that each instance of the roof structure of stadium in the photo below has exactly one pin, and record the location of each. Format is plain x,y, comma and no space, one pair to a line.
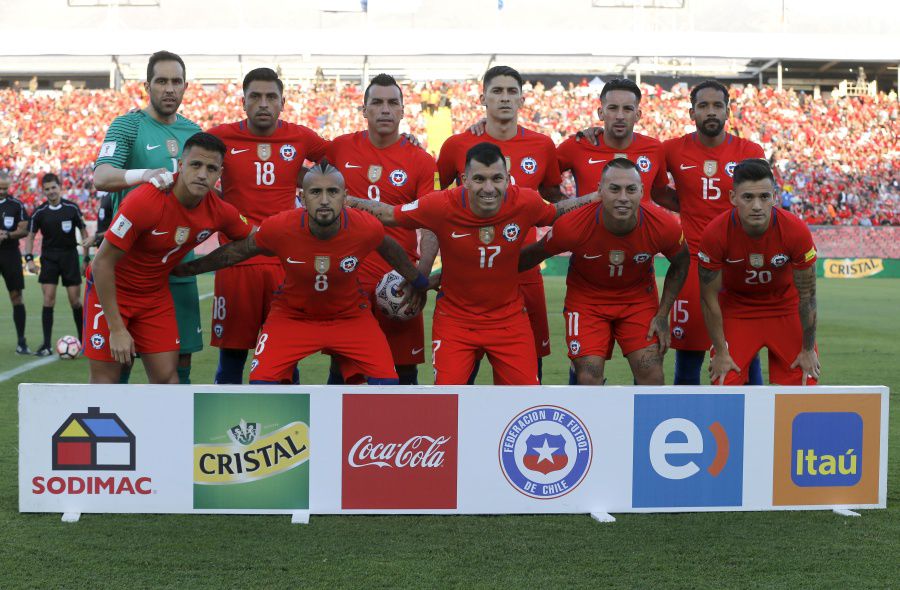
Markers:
435,39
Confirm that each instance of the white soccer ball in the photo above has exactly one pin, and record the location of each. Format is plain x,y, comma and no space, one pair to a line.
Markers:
389,296
68,347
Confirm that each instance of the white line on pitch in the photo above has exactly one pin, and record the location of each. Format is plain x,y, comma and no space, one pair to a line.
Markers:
27,367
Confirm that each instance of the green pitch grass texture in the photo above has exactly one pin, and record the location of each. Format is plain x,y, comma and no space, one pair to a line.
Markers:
858,326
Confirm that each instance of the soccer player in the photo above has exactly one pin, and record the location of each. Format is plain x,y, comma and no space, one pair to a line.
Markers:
129,308
620,109
382,165
611,284
480,228
56,219
263,168
530,162
144,146
702,164
13,227
758,284
320,307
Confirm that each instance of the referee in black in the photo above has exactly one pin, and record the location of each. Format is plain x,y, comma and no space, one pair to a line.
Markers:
13,227
57,219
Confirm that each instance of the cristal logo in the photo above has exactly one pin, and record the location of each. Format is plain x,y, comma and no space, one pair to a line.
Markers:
418,451
661,448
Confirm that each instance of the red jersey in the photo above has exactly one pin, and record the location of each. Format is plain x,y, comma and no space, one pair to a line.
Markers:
586,161
757,280
260,172
607,268
703,178
156,231
396,175
320,275
480,255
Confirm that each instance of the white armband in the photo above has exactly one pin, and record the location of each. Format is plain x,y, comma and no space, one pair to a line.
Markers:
136,176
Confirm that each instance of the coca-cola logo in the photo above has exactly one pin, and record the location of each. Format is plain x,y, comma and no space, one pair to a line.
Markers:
418,451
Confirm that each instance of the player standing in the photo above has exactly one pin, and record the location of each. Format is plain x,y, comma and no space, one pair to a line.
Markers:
480,228
758,284
530,162
383,166
129,309
56,219
321,306
702,164
144,146
263,167
611,284
13,227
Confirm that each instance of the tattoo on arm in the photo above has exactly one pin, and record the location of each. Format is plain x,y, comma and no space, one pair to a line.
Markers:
394,254
567,205
532,255
707,276
679,266
384,213
227,255
805,281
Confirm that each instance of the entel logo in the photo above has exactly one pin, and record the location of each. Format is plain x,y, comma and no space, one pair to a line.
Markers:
688,450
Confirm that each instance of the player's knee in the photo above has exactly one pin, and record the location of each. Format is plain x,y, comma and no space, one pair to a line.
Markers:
589,373
646,366
15,297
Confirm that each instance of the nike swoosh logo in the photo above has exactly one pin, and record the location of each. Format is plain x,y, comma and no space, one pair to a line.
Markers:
295,261
734,261
199,330
152,147
349,165
235,152
592,257
158,233
683,167
544,343
417,350
456,235
593,161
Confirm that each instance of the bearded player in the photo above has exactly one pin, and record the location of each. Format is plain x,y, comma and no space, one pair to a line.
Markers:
384,166
263,167
144,146
321,306
128,308
480,228
611,284
758,284
530,162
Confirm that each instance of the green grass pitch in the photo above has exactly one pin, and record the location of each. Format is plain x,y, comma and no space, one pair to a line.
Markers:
858,325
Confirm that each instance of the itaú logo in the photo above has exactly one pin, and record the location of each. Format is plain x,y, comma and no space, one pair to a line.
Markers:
690,443
417,451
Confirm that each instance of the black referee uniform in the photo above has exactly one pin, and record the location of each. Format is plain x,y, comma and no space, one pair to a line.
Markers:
12,213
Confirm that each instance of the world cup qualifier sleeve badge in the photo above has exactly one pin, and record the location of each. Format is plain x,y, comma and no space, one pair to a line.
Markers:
545,452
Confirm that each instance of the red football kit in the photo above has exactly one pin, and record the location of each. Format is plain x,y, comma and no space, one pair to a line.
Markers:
480,308
260,179
586,161
531,160
395,175
611,284
156,231
703,181
758,298
321,306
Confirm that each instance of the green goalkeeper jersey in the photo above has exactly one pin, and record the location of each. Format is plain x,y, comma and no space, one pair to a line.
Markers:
137,140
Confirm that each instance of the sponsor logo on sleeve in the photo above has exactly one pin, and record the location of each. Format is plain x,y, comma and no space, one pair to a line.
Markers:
410,206
121,225
809,255
107,149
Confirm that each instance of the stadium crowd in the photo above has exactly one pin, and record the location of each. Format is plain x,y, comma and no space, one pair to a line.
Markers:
836,157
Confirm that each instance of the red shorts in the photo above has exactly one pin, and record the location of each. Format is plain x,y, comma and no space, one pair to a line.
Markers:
509,348
151,324
686,318
405,337
285,340
242,297
781,335
536,304
591,330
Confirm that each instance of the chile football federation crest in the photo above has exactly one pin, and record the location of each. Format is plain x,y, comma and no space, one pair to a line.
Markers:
349,263
264,151
288,152
779,260
729,168
511,232
644,164
486,234
710,167
398,177
545,452
529,165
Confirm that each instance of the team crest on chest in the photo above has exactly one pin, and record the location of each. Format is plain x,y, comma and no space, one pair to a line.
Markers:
617,256
374,174
757,260
172,147
641,257
643,164
729,168
349,263
710,167
511,232
264,151
203,235
486,234
182,234
529,165
779,260
288,152
322,264
399,177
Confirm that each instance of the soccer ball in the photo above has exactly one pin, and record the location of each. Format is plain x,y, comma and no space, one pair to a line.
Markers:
68,347
389,296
